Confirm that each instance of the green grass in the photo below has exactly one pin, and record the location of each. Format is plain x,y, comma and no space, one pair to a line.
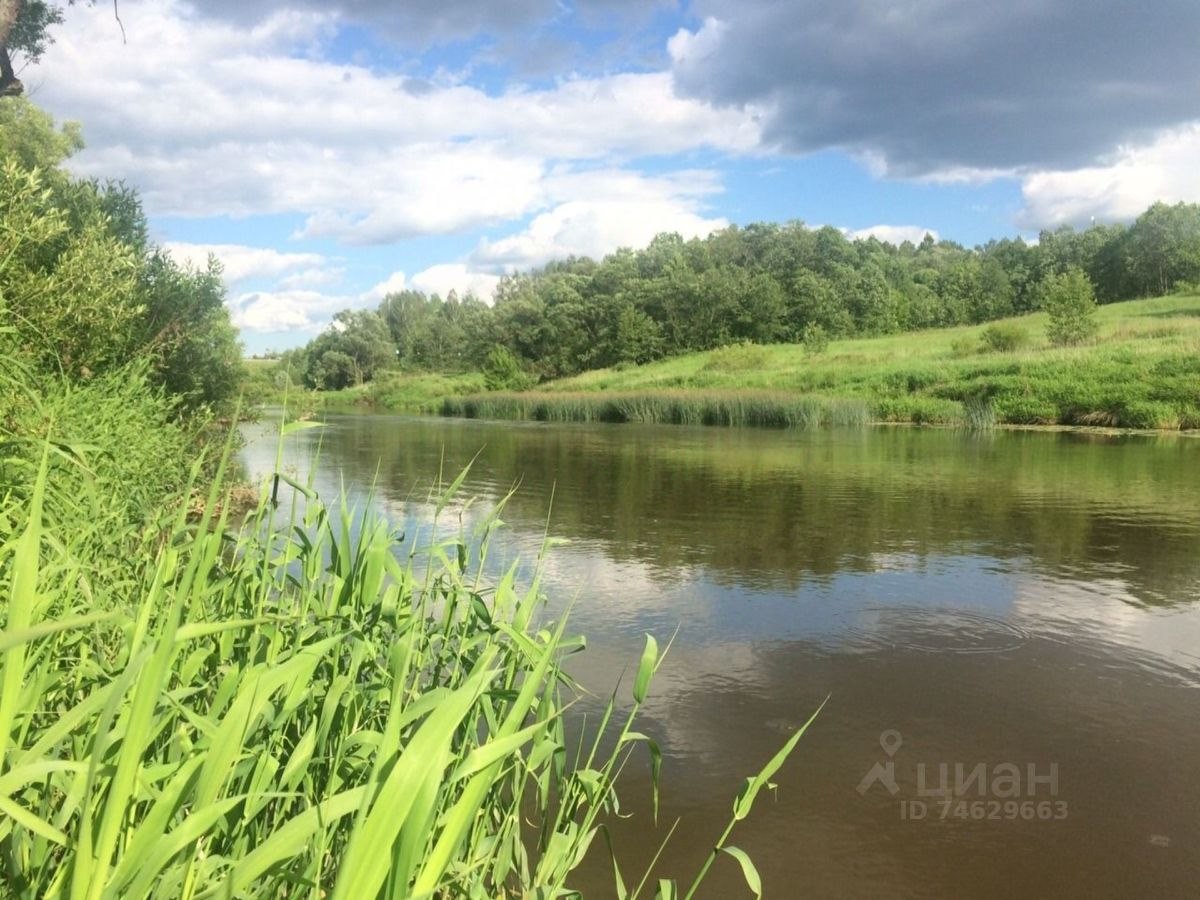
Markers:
733,408
418,392
1141,371
290,708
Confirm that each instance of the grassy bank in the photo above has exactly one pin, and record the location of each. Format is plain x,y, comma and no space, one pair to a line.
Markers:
1142,370
289,707
416,392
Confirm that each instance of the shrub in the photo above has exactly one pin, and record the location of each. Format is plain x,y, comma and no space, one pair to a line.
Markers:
963,346
742,357
1071,304
1005,337
502,371
815,338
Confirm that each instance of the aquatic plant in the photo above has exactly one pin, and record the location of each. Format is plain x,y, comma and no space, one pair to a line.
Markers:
291,707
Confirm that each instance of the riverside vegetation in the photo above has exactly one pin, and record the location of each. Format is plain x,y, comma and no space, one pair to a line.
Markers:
197,702
1139,368
290,708
783,325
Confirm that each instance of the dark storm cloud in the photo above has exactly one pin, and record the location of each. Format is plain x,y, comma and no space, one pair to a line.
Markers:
932,85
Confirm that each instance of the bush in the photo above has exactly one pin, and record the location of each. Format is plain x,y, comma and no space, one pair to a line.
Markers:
963,346
502,371
1071,304
334,370
815,338
1004,337
744,357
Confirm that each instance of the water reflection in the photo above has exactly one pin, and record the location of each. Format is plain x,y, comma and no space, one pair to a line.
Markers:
1026,597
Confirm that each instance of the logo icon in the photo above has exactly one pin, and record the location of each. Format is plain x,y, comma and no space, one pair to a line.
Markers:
884,772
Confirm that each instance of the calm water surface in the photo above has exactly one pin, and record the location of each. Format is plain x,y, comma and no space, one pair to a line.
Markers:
1015,600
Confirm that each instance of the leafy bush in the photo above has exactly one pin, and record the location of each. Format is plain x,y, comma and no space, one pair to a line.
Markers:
334,370
1005,337
815,339
502,371
1071,304
743,357
963,346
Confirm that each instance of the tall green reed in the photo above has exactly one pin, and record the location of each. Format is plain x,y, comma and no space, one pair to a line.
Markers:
293,707
762,409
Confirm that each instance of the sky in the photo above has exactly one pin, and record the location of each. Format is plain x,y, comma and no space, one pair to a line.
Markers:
331,151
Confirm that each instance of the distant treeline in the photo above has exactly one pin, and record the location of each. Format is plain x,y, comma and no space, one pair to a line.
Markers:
763,283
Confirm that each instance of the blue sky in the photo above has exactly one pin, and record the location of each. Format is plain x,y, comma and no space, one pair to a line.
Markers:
328,152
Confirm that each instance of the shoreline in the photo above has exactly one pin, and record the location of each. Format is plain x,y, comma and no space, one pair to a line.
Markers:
367,408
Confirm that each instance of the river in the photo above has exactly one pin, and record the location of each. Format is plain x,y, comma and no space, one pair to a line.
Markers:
1014,617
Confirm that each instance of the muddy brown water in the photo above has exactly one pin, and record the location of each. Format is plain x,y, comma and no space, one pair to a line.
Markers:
1007,627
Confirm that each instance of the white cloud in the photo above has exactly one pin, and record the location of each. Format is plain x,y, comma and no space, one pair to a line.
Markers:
313,278
207,118
892,234
241,263
590,228
446,277
598,211
1167,168
394,283
281,310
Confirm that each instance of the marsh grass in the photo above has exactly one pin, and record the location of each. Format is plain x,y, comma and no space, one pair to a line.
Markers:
757,408
293,708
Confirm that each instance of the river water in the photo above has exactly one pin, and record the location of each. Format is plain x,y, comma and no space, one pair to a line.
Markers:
1007,627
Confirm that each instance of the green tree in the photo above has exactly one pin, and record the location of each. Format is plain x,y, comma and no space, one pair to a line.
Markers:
69,293
185,328
638,337
362,337
333,371
1164,247
1070,301
502,371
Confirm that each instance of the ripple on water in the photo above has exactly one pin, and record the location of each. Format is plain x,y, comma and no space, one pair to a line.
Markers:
934,630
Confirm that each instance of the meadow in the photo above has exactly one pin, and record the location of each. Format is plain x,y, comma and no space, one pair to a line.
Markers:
1140,371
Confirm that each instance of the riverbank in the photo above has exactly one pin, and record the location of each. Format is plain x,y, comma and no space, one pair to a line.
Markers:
1141,371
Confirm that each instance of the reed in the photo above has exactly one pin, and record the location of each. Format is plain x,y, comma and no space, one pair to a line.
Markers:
292,708
761,409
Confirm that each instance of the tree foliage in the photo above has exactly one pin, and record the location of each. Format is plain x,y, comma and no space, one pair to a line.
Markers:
769,283
82,290
1070,302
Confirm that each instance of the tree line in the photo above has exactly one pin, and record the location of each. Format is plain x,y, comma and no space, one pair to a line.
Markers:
763,283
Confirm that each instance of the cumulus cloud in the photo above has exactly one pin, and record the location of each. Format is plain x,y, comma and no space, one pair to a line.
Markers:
589,228
410,22
949,85
458,277
241,263
305,312
600,211
207,118
1167,168
393,284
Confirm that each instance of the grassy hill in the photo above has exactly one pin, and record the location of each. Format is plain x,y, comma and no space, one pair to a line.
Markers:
1142,370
